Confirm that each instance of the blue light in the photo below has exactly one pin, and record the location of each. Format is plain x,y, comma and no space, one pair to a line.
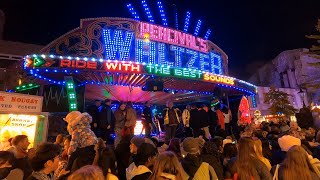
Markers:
161,55
145,49
133,12
162,14
186,22
177,52
216,63
147,10
204,63
177,24
193,58
117,46
207,34
196,31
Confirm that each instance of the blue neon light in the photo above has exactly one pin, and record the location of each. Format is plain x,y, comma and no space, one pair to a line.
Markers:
133,12
193,57
204,65
207,34
186,22
145,50
196,31
116,46
147,10
162,14
177,24
178,53
216,63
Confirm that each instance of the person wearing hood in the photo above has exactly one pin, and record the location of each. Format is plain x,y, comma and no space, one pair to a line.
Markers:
167,167
83,140
7,172
140,168
192,163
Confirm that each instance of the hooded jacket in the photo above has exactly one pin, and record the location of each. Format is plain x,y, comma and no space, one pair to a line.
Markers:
134,173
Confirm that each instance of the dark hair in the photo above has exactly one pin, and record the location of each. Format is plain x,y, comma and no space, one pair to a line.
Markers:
44,153
97,100
230,150
145,151
218,141
6,156
174,146
68,137
107,100
15,141
211,148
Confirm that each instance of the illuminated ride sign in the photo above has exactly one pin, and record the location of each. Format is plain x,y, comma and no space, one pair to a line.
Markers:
125,67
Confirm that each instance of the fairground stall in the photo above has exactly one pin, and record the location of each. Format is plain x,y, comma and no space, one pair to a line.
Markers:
21,114
129,60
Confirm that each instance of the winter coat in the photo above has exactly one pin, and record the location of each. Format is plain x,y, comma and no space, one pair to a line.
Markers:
122,152
146,116
120,117
197,169
131,117
203,117
195,122
214,162
81,134
137,173
166,115
105,117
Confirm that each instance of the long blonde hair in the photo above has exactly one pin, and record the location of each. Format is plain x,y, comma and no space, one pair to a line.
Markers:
167,162
88,172
258,148
297,165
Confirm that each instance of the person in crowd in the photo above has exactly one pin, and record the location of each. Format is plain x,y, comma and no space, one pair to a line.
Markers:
59,140
247,165
167,167
171,121
203,116
195,123
64,156
295,166
45,162
155,140
230,152
120,116
88,172
186,121
105,158
123,155
93,110
146,118
140,168
20,144
294,126
174,146
131,118
136,141
7,171
285,142
213,118
192,163
81,150
211,155
258,150
227,119
105,120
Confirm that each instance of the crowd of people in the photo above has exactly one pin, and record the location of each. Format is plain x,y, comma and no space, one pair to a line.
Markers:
209,148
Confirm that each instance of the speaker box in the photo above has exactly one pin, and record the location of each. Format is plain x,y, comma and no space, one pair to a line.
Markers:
153,85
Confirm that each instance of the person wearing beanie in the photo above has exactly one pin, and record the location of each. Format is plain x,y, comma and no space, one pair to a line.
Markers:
285,143
140,168
83,140
193,164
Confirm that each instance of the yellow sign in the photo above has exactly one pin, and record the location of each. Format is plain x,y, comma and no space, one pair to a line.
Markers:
17,124
218,79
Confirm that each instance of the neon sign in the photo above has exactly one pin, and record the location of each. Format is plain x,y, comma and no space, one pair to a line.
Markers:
218,79
171,36
163,49
126,67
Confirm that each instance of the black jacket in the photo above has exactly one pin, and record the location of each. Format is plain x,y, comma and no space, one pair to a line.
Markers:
194,119
146,116
203,118
105,117
215,163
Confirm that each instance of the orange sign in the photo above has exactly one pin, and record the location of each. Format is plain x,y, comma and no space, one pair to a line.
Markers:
218,79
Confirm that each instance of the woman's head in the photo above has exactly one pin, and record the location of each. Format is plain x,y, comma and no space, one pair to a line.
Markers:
230,150
47,157
122,106
66,142
296,165
88,172
258,147
59,139
145,153
174,146
167,163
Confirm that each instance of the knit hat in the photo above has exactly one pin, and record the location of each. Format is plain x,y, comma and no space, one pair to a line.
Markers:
137,141
72,117
287,141
191,145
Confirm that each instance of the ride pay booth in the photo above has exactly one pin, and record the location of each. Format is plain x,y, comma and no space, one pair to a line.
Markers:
21,114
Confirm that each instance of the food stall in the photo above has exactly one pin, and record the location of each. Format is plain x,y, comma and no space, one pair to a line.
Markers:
21,114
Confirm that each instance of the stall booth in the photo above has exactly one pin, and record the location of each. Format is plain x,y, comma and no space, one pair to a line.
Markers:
21,114
129,60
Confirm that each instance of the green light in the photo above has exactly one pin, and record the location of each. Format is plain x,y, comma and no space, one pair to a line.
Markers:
24,86
18,87
30,84
37,61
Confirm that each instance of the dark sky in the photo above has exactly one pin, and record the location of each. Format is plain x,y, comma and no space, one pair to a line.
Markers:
250,32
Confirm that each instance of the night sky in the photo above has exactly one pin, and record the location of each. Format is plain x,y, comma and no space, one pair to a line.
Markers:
250,32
